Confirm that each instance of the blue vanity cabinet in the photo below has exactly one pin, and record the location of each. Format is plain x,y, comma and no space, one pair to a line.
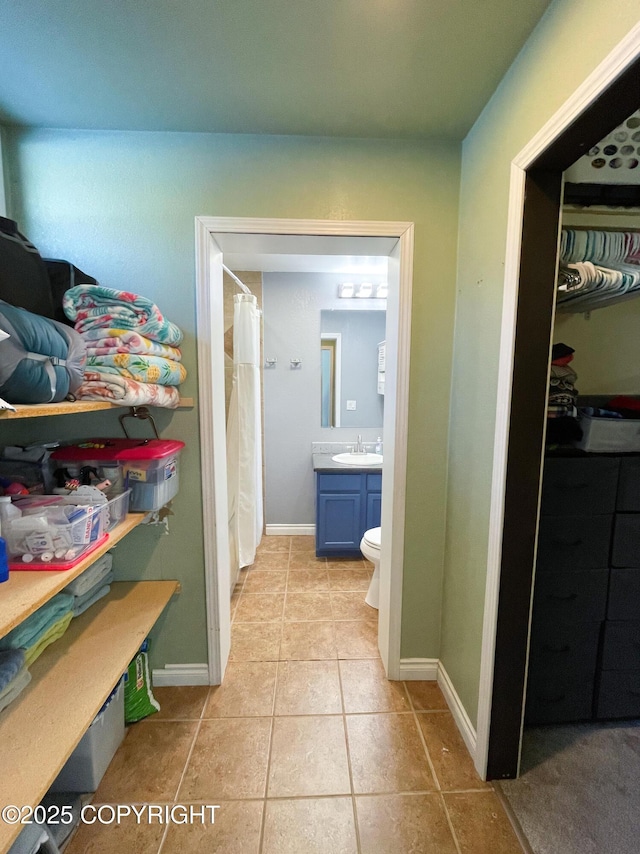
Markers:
347,504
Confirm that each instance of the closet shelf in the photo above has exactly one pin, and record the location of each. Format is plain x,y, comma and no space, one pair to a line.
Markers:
67,407
70,682
26,591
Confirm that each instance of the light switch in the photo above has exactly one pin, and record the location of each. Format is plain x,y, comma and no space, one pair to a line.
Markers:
351,405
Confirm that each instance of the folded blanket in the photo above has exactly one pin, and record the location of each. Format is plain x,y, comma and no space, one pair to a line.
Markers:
91,576
86,601
93,306
36,624
107,342
143,369
16,687
11,661
114,388
53,633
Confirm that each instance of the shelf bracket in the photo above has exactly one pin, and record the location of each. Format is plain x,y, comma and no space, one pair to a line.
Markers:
141,412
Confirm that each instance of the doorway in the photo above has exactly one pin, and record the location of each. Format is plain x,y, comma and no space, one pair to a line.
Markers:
391,239
611,95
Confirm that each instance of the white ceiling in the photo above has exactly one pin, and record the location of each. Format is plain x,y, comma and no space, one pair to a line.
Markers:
374,68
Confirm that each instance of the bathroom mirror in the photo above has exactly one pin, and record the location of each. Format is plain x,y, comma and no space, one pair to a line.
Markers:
349,367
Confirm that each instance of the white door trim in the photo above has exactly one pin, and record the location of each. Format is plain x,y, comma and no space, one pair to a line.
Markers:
212,433
623,55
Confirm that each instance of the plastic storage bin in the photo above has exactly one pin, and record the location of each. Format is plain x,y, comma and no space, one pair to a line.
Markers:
613,435
87,764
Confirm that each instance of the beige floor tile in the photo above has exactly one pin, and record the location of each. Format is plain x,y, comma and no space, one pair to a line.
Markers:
310,826
229,760
303,544
115,838
394,824
357,639
184,702
308,688
426,696
148,765
308,757
306,560
481,824
349,579
314,605
453,766
269,561
265,581
255,641
236,829
260,608
274,544
307,641
351,606
247,690
306,580
348,563
387,754
365,688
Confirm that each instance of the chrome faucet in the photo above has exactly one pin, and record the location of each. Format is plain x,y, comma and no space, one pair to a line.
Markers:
359,448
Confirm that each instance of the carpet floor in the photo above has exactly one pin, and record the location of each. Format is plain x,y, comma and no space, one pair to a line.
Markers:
579,789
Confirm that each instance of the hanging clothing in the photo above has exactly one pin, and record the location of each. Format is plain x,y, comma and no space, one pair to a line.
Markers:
244,437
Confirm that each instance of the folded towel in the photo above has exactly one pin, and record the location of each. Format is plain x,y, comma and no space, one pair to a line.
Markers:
53,633
93,306
91,576
86,601
114,388
29,631
143,369
11,662
108,342
16,687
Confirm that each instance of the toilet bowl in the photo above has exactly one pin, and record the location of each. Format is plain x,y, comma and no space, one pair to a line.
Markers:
370,548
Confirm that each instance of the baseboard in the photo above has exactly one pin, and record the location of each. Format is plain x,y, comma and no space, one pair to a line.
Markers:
460,716
290,530
181,674
418,669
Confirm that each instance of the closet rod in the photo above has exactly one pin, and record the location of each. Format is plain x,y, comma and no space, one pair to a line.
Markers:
236,280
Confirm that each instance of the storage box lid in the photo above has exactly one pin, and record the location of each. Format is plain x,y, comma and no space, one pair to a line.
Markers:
119,450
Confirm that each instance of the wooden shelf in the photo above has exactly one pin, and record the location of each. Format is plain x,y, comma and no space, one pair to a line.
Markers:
67,407
70,682
26,591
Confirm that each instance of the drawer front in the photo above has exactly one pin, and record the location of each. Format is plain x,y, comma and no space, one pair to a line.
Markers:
574,542
624,595
621,648
374,482
564,651
555,700
626,540
579,486
619,694
565,597
629,485
339,482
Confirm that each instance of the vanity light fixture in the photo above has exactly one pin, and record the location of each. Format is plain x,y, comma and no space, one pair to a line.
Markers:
345,290
364,290
382,291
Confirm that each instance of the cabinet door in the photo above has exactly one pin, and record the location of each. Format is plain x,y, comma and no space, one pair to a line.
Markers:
338,522
374,505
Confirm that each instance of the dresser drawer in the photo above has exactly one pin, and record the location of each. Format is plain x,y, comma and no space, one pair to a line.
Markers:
554,700
619,694
564,651
629,485
621,648
573,542
625,550
339,482
579,486
624,595
565,597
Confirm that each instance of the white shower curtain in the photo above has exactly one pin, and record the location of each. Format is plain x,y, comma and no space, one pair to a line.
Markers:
244,437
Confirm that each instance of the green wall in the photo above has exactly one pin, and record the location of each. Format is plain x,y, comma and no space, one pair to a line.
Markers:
570,41
122,205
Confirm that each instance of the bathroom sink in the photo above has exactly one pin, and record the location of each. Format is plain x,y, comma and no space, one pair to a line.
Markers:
350,459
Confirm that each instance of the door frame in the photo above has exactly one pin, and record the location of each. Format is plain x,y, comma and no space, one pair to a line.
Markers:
527,319
209,326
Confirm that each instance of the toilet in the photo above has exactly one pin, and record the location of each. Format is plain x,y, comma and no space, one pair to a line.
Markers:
370,548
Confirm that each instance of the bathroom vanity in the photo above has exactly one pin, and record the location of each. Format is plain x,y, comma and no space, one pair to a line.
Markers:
348,501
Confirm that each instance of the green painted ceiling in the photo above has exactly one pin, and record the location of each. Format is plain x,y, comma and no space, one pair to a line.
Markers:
374,68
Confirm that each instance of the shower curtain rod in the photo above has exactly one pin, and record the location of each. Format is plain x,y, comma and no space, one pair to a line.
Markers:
236,280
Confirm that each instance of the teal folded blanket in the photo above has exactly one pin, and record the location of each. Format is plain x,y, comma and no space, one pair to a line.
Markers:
11,661
53,633
30,630
86,601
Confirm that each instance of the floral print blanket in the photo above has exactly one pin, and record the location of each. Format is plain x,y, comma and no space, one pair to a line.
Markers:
94,306
114,388
107,342
143,369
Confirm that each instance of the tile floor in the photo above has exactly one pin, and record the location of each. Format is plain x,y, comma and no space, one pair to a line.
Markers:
306,747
